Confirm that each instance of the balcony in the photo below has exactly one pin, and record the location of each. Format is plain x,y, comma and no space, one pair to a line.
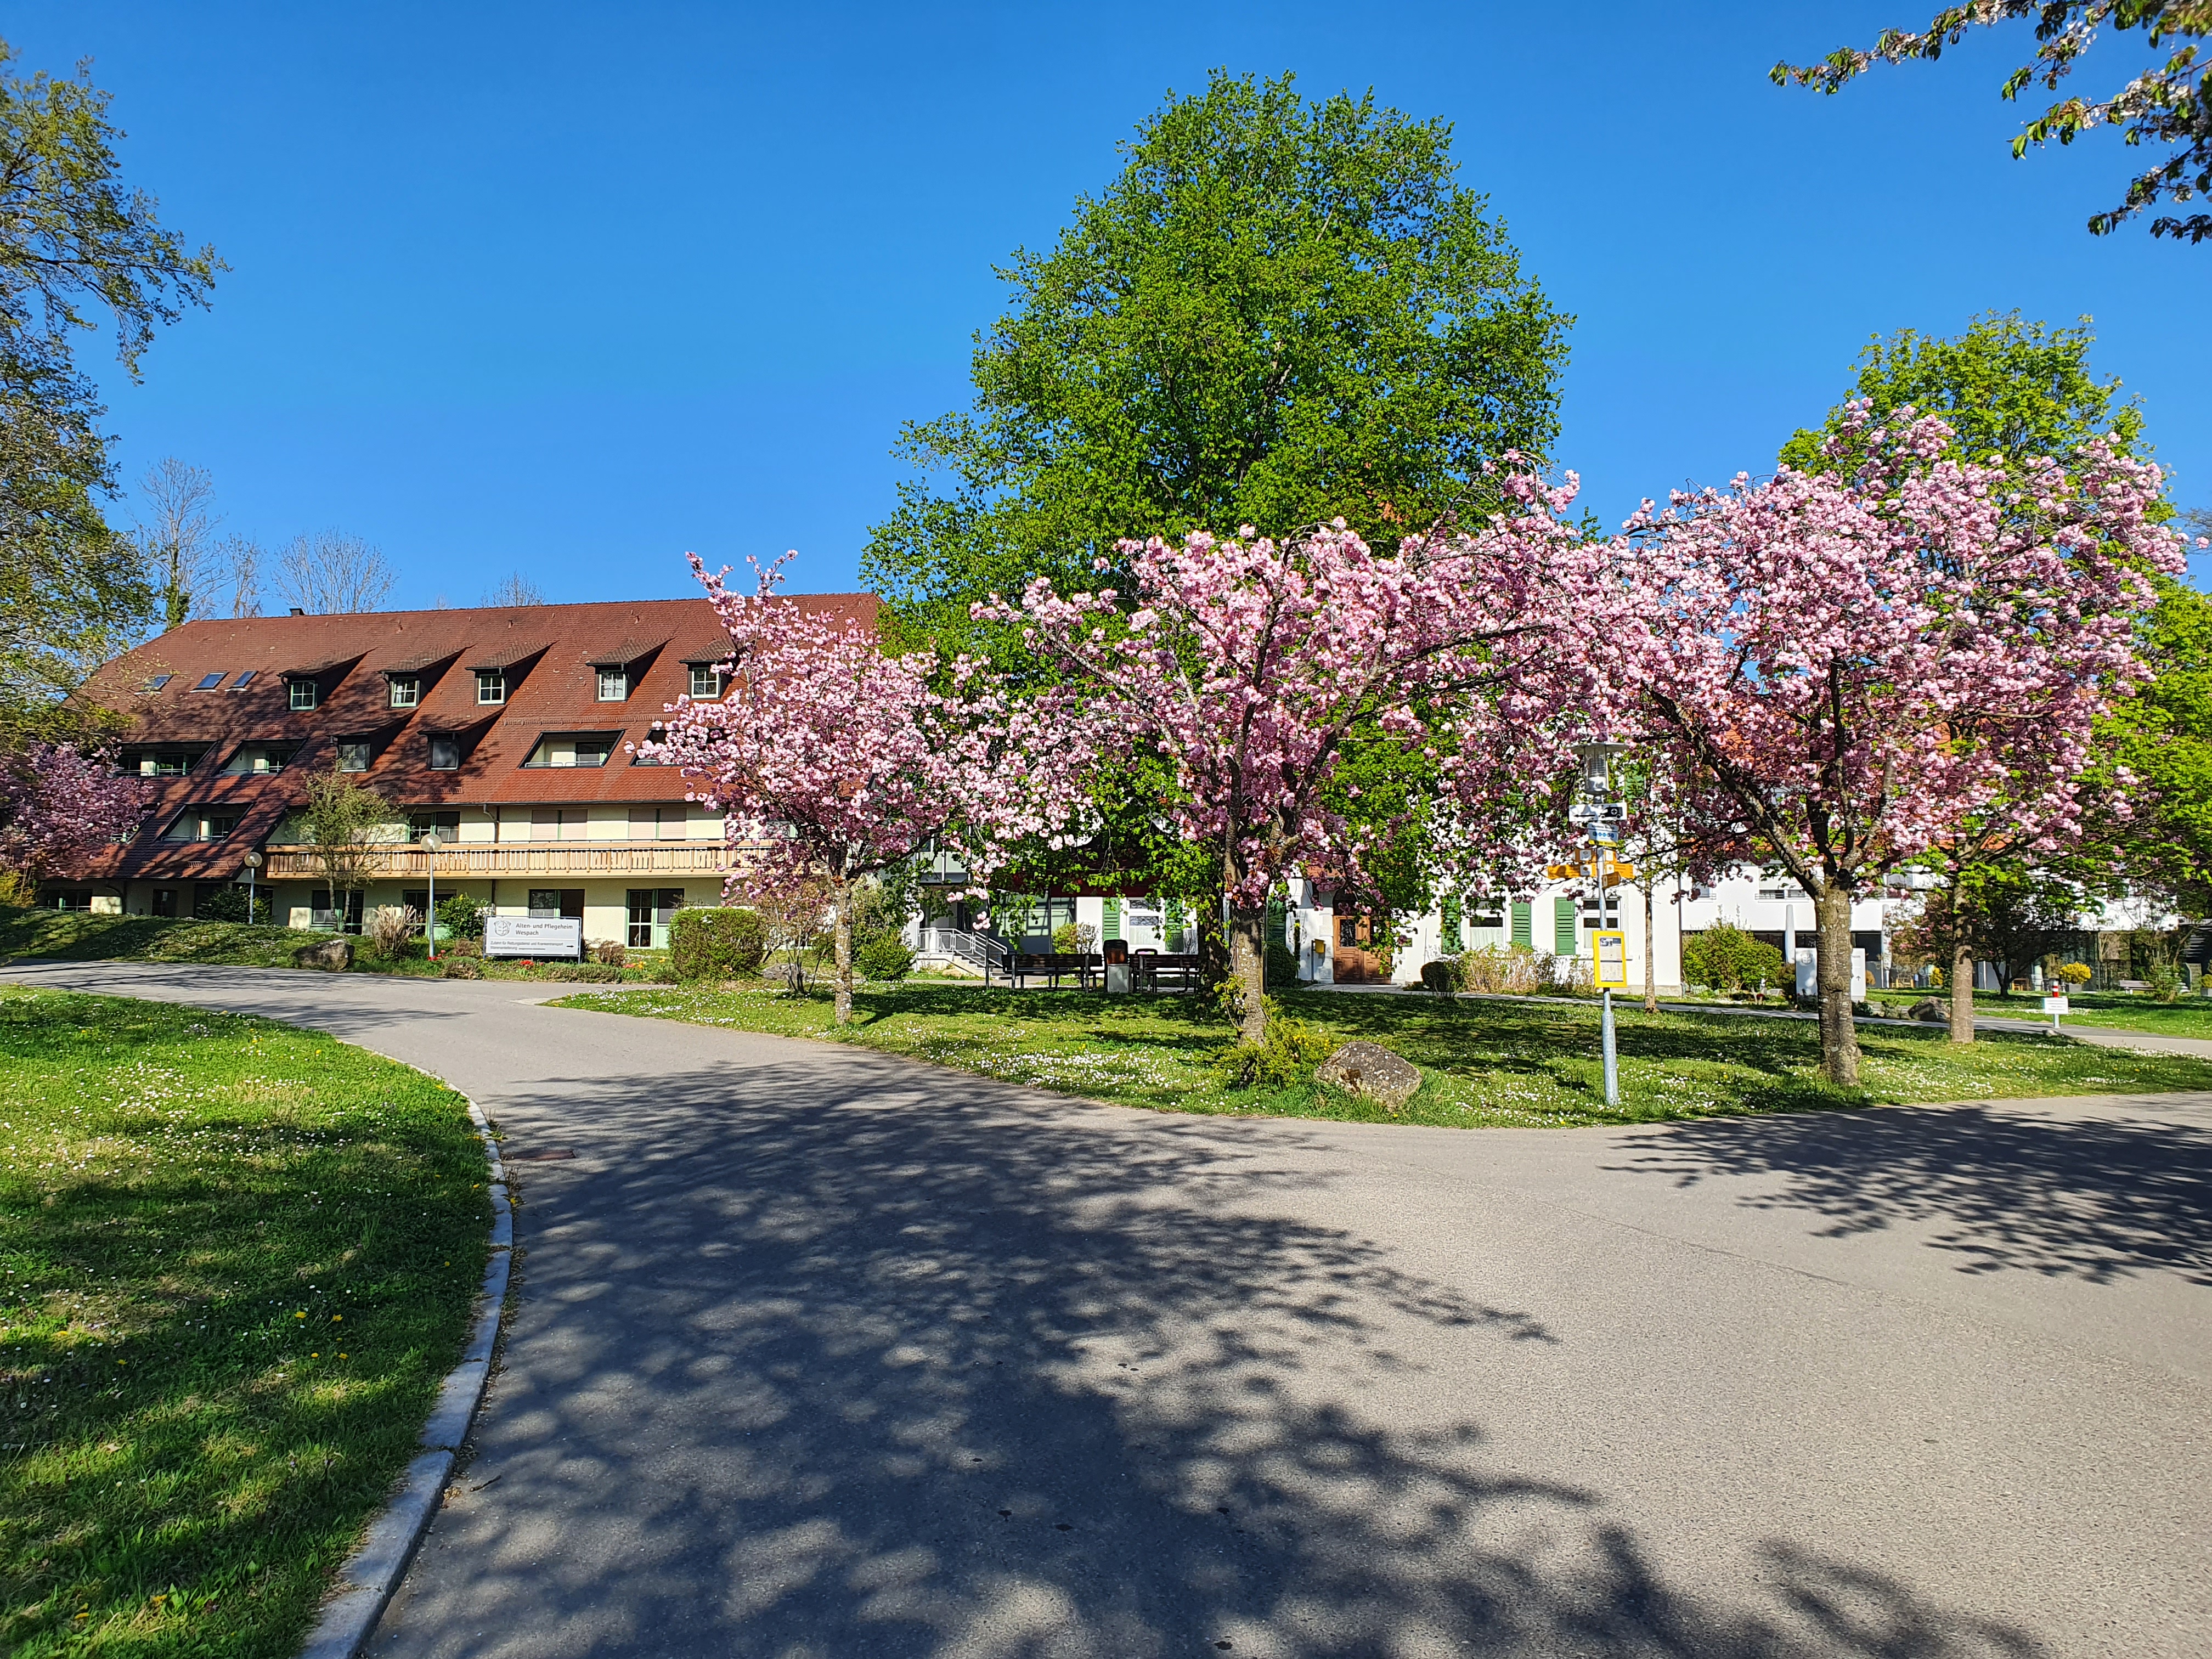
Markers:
489,860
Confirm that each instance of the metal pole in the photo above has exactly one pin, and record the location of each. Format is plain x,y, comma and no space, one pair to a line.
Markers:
250,873
1611,1058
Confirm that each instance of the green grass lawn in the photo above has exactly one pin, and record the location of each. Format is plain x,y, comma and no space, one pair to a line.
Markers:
80,936
2189,1016
1486,1063
238,1259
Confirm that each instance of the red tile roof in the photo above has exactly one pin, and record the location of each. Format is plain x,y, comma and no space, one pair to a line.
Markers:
552,687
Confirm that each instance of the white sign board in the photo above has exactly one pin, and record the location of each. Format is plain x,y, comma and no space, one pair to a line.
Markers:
536,937
2056,1006
1808,973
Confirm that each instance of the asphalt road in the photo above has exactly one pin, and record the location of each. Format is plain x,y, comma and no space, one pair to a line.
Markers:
820,1352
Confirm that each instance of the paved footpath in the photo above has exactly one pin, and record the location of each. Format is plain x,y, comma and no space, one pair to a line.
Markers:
821,1352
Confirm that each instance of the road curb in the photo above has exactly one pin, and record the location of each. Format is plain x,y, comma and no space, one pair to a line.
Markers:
365,1583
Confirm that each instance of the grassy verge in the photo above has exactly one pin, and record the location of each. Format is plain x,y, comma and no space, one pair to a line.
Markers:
1486,1063
80,936
2119,1011
239,1258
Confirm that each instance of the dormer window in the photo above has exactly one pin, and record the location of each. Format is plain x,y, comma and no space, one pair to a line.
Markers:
445,752
566,749
614,684
706,681
405,691
491,685
353,756
305,694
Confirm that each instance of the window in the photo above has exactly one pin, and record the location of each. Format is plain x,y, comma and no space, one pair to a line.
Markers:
445,753
573,748
405,691
656,823
255,758
159,681
447,825
1347,930
706,680
651,910
491,685
197,824
552,902
654,733
614,684
244,680
560,823
353,757
160,763
305,693
209,681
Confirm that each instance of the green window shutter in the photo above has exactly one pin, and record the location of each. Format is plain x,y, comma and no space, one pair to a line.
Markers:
1275,921
1109,924
1448,917
1563,927
1524,926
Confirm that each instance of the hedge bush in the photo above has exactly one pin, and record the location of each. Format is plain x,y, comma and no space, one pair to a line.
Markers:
719,941
1287,1054
1724,957
884,957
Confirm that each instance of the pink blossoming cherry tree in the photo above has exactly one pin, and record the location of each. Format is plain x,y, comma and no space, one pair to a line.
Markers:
1249,663
1867,666
60,807
842,761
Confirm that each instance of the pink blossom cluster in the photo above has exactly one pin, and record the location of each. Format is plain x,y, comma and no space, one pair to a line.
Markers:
1249,663
60,807
844,759
1863,665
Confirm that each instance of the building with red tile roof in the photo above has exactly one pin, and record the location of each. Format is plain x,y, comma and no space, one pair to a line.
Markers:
508,731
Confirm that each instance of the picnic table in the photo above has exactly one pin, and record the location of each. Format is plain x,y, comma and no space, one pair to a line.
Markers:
1052,964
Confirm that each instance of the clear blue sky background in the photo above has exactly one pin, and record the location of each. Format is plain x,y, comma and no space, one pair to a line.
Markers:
574,288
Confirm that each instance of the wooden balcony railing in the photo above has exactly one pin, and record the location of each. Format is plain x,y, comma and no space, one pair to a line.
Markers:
487,860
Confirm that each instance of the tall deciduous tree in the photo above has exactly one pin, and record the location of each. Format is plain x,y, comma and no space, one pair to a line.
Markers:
74,241
332,573
1281,313
347,828
844,760
1248,665
2163,103
1866,662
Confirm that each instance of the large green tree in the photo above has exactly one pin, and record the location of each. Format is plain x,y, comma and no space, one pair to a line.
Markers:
1280,312
75,244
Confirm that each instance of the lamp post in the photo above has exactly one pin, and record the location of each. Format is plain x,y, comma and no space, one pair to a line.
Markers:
430,845
252,866
1597,760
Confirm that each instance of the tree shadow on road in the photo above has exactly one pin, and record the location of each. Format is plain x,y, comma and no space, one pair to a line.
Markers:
872,1360
2092,1197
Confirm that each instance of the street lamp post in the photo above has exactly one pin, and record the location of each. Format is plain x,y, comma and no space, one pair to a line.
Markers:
1597,760
430,845
253,867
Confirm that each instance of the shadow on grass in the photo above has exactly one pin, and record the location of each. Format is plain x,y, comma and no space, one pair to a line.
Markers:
857,1356
2095,1197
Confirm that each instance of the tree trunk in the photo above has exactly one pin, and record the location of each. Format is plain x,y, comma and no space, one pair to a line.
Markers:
1247,971
1839,1037
1212,945
1651,956
841,931
1962,990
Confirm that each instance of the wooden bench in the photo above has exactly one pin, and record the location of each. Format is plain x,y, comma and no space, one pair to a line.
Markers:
1052,964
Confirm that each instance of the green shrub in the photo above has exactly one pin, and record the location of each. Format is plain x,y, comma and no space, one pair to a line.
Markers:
884,957
1726,958
717,941
1286,1055
1444,975
460,968
462,916
1066,939
1282,965
230,905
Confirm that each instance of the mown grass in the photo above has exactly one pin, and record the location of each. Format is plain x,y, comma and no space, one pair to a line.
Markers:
239,1258
81,936
2187,1016
1484,1063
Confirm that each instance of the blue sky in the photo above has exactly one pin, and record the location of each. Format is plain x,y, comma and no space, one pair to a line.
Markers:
575,288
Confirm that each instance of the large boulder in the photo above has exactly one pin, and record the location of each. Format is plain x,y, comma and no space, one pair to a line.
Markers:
1930,1010
332,955
1368,1069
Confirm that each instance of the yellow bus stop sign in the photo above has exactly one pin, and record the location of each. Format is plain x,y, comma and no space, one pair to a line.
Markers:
1612,950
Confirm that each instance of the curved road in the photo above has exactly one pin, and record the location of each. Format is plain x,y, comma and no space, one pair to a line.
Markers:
823,1353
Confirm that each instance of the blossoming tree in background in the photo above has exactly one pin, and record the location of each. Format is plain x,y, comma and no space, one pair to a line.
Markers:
1248,665
1868,665
845,760
59,808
